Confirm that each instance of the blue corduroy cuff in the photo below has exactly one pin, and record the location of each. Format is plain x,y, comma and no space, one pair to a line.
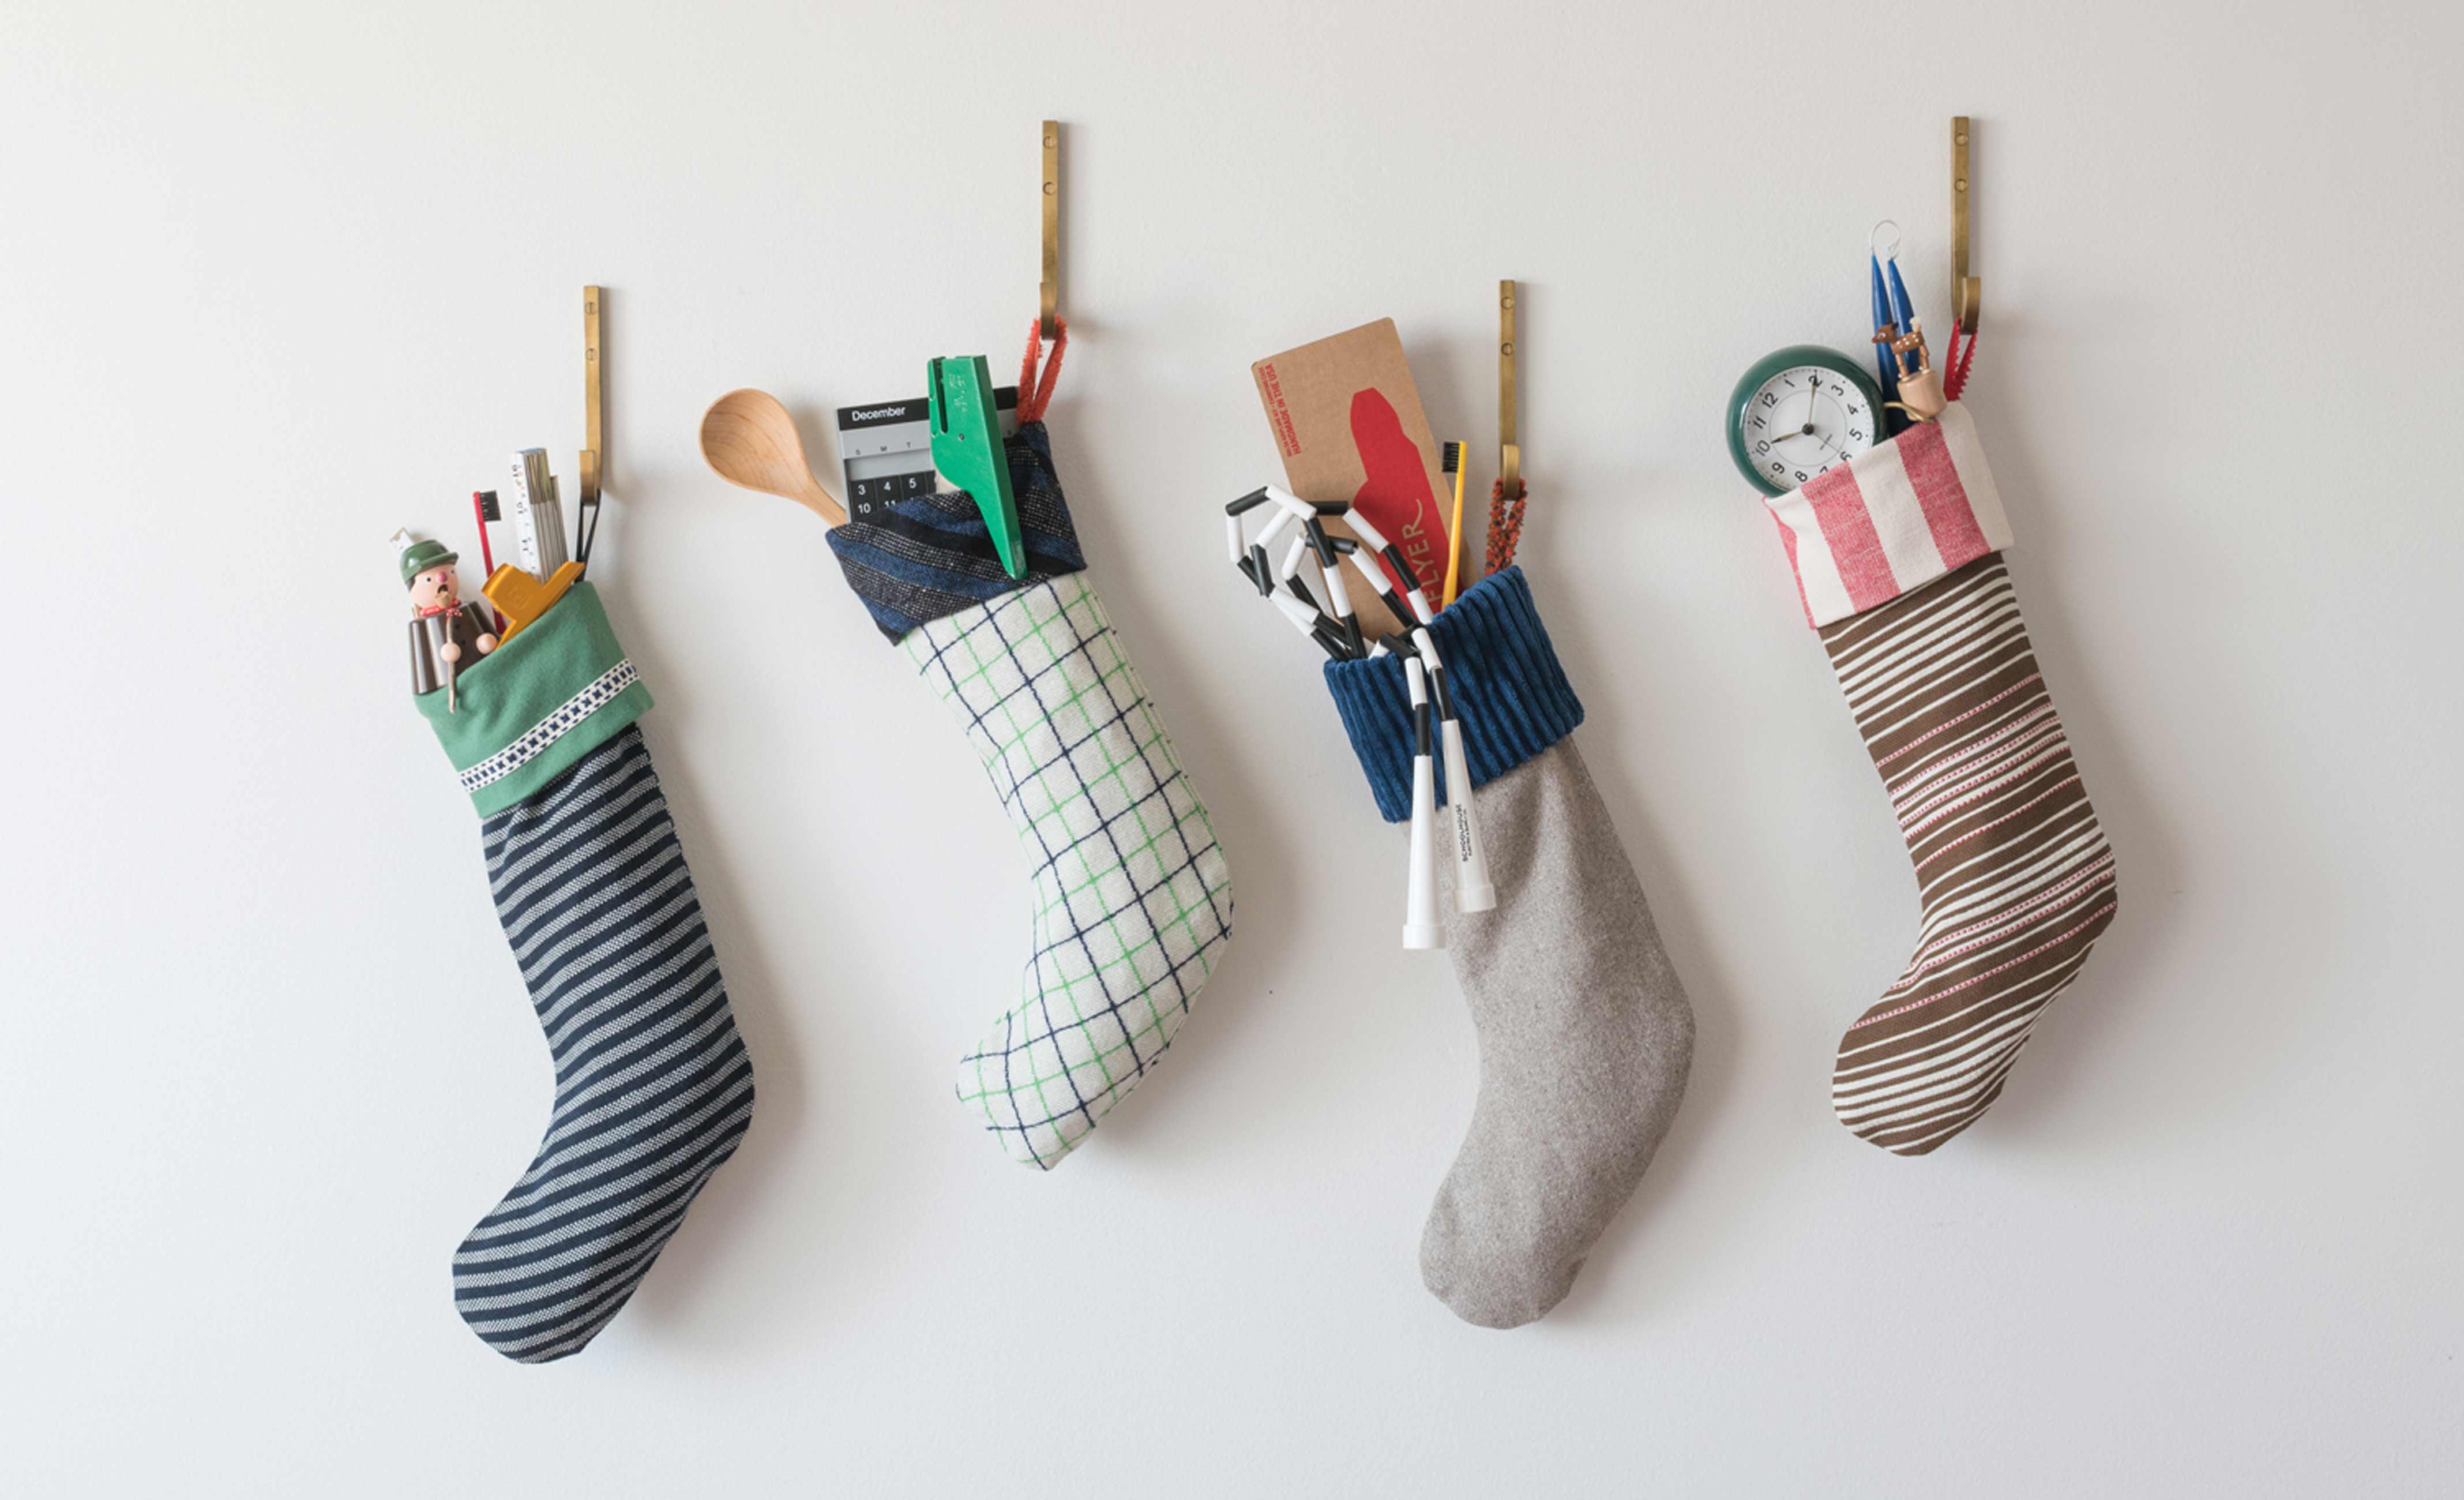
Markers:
1513,696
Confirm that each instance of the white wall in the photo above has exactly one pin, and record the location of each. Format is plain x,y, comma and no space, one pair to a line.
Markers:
276,280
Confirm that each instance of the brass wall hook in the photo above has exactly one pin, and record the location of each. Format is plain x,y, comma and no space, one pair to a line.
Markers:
594,426
1510,447
1050,301
1966,292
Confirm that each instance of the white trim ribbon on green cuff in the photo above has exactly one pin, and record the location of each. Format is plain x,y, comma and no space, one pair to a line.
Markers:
568,715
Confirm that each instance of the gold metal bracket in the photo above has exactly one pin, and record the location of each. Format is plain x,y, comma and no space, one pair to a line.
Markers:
1966,291
1509,448
594,429
1050,301
594,406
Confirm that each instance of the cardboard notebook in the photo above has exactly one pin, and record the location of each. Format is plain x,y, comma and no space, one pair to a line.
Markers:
1348,425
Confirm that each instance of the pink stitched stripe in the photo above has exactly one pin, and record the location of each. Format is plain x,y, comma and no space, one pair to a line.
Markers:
1900,1010
1925,453
1976,935
1982,829
1991,783
1958,769
1962,719
1788,540
1838,508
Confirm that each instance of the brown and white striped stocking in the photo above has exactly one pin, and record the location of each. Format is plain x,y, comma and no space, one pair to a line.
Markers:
1898,556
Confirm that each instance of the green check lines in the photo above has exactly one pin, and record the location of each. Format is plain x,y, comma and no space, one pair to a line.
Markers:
1133,900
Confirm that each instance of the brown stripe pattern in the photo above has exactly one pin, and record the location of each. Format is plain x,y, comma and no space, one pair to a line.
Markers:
2012,869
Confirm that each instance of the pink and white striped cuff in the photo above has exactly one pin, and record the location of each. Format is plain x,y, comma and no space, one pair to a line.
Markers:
1891,520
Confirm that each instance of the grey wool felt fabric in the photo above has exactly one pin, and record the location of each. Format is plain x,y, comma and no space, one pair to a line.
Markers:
1585,1039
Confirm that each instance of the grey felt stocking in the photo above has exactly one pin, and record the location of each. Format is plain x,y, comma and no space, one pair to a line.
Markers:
1585,1034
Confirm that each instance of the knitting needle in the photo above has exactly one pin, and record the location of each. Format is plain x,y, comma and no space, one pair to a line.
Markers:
1300,609
1275,527
1288,576
1309,623
1304,614
1904,314
1287,572
1473,891
1886,364
1266,493
1376,576
1393,556
1351,547
1421,893
1330,563
1339,634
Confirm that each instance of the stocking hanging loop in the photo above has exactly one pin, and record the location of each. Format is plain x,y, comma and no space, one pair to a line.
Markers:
1033,394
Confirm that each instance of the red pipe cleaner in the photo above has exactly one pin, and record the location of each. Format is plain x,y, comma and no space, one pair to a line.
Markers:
1505,527
1033,396
1955,362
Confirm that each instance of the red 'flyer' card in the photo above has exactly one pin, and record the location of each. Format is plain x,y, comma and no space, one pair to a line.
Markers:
1347,421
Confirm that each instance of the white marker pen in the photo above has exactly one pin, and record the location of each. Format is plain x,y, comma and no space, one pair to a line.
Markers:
1473,891
1420,887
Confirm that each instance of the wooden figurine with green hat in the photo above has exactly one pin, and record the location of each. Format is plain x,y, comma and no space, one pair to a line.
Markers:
441,625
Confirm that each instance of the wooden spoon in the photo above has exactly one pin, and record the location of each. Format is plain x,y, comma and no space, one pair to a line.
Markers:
748,439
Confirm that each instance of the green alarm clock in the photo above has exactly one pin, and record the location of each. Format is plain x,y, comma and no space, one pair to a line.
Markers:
1799,411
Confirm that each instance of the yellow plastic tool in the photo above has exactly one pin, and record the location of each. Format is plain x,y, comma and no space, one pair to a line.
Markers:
522,599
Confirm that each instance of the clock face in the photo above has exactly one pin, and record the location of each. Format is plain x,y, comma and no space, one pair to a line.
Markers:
1801,420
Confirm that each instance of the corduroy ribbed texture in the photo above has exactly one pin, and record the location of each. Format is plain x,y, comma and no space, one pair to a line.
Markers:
1513,696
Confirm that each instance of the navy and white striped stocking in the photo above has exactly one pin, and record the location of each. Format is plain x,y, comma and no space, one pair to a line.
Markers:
653,1088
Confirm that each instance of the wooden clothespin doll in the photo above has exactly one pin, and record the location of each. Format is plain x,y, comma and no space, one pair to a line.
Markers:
442,628
1921,393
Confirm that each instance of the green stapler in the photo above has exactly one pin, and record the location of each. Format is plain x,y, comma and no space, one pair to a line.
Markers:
967,450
